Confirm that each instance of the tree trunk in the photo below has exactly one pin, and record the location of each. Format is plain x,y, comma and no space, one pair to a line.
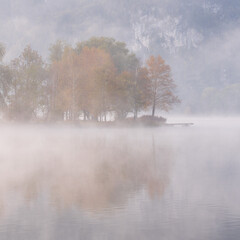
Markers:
153,109
135,114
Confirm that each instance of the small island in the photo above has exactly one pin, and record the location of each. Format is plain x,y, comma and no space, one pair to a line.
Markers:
98,80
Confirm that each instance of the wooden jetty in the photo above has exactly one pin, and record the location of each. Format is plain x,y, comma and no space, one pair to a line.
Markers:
179,124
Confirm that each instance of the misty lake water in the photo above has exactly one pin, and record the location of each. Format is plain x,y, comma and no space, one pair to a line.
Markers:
68,183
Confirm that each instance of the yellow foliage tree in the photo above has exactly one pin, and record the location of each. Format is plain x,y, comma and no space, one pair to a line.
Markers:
81,83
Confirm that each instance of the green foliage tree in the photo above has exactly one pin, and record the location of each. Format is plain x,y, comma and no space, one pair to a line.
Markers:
221,100
5,87
141,91
28,85
121,94
122,58
56,51
2,51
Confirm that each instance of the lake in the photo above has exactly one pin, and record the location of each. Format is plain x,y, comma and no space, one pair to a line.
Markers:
67,183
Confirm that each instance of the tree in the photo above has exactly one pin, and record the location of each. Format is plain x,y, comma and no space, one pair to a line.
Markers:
162,84
65,74
141,92
122,58
5,82
126,65
28,85
82,83
2,51
225,100
98,77
56,51
5,87
121,93
97,72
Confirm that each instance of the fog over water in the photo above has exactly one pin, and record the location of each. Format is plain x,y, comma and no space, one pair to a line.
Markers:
121,183
77,86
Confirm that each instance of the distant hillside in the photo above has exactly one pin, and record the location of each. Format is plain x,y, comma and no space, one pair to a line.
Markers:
199,39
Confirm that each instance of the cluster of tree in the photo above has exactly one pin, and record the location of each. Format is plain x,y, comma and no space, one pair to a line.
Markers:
97,78
221,100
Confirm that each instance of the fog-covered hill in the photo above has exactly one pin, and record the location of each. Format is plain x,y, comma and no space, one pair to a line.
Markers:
199,39
166,25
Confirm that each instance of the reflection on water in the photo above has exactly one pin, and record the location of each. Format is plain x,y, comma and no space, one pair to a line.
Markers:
68,183
87,170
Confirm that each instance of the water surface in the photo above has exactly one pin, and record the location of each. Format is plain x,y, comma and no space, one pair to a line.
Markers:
154,183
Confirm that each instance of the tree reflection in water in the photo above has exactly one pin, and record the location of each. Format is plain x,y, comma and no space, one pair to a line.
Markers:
90,170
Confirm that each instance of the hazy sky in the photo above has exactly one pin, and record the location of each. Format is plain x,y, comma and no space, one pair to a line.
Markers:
163,24
198,38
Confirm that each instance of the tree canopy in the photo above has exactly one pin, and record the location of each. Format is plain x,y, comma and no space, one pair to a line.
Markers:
99,79
122,58
2,51
162,84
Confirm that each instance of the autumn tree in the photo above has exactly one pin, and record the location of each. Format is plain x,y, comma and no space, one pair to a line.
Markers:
162,84
98,77
81,83
56,51
65,77
126,65
106,79
97,72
